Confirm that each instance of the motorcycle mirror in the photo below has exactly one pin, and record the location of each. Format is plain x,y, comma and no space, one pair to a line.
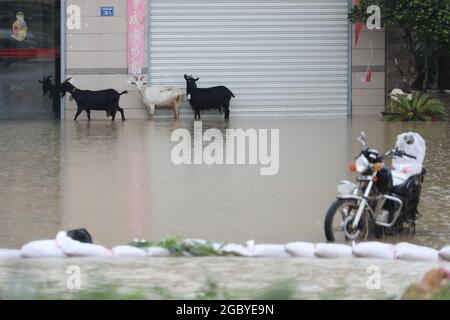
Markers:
362,138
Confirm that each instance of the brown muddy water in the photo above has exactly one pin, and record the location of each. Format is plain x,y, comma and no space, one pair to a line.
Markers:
118,181
186,278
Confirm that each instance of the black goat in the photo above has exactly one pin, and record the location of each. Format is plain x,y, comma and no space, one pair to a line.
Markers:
208,98
48,86
106,100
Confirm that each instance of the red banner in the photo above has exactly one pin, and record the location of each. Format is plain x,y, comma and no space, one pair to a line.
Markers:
136,34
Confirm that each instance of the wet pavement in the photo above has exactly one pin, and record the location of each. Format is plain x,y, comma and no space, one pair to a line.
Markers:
184,278
118,181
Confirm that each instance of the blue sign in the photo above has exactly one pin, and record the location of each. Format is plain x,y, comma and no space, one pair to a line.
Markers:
107,11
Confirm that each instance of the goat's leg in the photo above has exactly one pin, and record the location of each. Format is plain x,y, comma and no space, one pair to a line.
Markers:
175,110
77,114
88,114
227,111
151,110
122,113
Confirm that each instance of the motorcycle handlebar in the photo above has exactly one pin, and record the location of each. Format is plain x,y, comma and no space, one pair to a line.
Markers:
409,156
398,153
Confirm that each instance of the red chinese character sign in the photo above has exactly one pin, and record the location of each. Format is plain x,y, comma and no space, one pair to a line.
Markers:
136,34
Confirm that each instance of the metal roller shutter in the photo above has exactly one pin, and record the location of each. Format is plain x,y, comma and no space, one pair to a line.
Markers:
286,57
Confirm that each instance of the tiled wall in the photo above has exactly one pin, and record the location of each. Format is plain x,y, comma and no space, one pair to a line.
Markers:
368,98
97,55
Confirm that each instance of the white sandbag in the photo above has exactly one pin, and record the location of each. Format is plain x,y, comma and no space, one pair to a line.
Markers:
158,252
73,248
376,250
301,249
9,254
332,250
445,253
128,252
270,250
236,249
194,242
42,249
412,252
216,246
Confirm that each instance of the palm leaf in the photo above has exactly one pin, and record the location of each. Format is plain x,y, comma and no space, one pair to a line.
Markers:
421,107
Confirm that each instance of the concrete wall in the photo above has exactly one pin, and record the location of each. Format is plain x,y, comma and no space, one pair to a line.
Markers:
368,98
97,55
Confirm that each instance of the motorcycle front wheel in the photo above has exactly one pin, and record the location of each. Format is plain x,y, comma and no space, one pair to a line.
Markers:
339,216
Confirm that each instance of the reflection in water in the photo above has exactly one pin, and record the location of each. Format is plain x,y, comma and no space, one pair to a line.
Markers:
117,180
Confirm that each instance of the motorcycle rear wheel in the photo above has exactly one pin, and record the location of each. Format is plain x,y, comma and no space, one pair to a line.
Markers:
335,218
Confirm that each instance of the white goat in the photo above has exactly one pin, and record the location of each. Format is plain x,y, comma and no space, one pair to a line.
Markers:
159,96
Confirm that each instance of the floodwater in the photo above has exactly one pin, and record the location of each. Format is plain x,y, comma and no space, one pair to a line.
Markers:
118,181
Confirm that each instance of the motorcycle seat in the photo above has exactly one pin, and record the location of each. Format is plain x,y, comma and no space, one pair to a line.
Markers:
399,177
402,181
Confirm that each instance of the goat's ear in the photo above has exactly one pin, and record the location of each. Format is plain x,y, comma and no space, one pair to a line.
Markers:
186,77
144,84
197,79
68,80
40,81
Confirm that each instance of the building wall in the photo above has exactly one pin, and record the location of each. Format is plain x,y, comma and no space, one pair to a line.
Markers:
97,59
97,56
368,98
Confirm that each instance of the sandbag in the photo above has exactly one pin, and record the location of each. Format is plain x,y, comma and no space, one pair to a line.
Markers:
333,251
9,254
73,248
236,249
128,251
216,246
270,250
42,249
376,250
412,252
158,252
301,249
445,253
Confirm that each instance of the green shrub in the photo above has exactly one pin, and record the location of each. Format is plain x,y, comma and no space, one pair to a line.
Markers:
421,107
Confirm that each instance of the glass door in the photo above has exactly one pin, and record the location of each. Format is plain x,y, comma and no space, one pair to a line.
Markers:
29,59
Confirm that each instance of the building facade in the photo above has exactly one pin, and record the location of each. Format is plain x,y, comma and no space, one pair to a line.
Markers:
280,58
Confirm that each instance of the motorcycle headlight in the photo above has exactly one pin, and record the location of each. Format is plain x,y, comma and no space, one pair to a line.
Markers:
362,164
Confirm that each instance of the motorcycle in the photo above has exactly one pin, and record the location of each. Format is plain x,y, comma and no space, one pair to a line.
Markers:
383,201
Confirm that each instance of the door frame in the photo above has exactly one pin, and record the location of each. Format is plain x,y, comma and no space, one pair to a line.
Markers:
63,54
